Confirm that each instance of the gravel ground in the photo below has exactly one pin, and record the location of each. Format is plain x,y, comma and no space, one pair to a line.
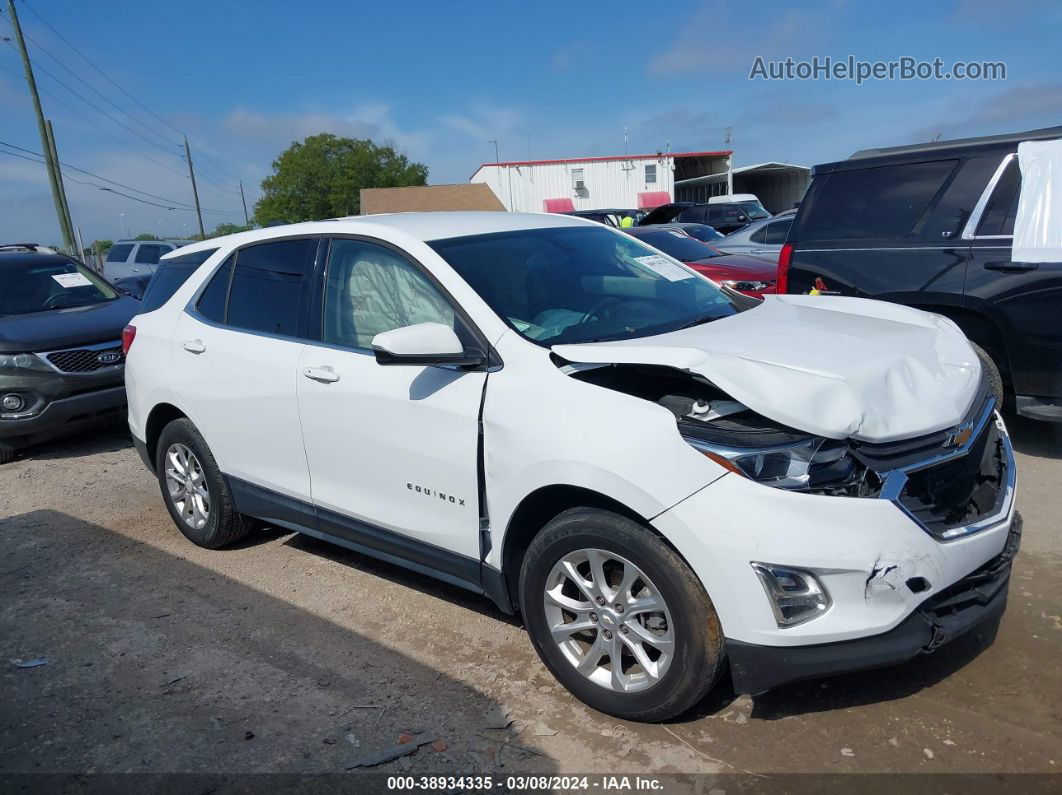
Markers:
288,655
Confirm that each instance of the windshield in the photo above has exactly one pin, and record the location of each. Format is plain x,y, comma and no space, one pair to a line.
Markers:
29,286
754,210
678,245
576,284
703,232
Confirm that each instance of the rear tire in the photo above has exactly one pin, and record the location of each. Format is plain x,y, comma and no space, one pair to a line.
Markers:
194,490
669,658
992,374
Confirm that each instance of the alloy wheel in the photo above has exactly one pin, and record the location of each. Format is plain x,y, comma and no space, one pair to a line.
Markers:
187,486
609,620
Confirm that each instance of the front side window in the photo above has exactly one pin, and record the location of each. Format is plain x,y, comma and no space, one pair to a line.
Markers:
369,289
267,286
119,253
39,284
575,284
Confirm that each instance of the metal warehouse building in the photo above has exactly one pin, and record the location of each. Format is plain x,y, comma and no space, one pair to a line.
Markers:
642,181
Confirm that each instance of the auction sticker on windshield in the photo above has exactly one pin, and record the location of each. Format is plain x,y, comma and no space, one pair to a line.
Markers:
669,270
71,280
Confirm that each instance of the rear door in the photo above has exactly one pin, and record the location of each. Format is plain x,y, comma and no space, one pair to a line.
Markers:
235,359
1023,299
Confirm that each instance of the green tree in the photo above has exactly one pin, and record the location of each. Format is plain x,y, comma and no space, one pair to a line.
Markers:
228,229
145,236
101,247
322,177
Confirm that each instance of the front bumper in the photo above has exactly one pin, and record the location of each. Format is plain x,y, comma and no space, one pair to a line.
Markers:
974,604
65,415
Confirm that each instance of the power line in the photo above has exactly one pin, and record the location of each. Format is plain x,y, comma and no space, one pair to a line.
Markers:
105,75
99,93
177,204
98,109
90,121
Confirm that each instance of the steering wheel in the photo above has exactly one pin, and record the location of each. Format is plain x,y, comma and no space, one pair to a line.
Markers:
49,302
592,311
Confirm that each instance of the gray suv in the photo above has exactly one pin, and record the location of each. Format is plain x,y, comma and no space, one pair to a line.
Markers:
129,258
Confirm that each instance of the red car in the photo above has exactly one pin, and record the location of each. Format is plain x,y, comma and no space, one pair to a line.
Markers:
748,275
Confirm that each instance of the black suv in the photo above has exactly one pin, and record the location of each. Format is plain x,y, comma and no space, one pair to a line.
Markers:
724,217
61,361
930,226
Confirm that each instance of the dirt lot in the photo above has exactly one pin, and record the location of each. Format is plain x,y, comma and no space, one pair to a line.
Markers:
289,655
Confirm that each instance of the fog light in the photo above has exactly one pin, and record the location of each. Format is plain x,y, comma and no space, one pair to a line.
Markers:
796,595
12,402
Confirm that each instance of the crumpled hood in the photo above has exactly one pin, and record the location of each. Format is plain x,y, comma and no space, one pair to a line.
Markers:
834,366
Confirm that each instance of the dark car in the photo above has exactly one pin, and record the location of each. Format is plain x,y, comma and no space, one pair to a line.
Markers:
724,217
134,285
702,232
61,361
749,275
931,226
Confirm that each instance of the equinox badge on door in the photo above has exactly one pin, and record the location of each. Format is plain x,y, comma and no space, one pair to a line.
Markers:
433,493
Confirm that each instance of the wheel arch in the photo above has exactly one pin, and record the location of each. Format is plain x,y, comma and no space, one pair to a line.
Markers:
536,510
161,415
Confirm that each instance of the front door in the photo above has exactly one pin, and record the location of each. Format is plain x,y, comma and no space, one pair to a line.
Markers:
1022,298
392,449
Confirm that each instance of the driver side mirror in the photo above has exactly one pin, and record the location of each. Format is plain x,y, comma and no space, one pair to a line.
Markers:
424,344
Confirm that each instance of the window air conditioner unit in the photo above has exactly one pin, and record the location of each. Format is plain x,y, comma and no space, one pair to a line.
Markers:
579,184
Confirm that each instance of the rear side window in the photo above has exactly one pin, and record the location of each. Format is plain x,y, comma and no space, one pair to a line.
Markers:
998,217
267,286
149,253
881,203
777,232
169,277
119,253
760,235
212,301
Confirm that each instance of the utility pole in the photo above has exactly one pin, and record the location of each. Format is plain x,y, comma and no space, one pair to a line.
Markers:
45,149
246,220
195,191
67,221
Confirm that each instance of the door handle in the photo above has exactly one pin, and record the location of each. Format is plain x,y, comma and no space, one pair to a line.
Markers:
193,346
1011,267
325,375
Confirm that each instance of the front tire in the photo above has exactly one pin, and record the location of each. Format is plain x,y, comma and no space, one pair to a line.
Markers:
195,493
618,617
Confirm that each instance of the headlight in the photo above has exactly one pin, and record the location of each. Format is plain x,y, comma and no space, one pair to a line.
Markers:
783,466
21,361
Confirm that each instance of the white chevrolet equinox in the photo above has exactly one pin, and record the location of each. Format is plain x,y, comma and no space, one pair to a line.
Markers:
665,478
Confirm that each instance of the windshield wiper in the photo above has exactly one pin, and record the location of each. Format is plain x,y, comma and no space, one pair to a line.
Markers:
699,321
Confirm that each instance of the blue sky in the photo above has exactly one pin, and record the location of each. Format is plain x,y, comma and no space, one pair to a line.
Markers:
244,79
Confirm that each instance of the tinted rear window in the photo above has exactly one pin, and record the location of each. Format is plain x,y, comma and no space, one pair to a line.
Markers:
881,203
266,291
777,232
169,277
212,300
119,253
